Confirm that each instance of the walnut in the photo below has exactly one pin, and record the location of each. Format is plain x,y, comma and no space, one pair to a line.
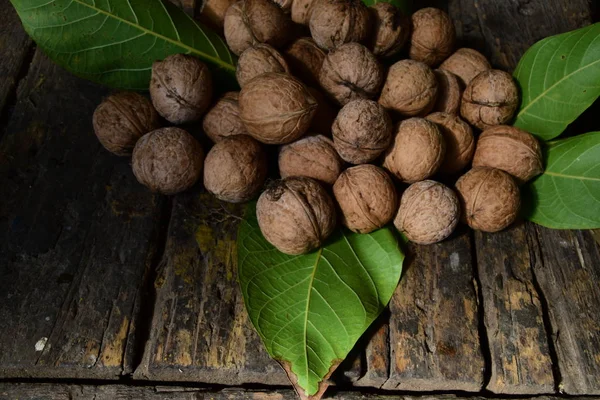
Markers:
257,60
335,22
181,88
305,59
449,92
490,99
235,169
417,151
433,36
223,119
391,29
410,88
428,213
276,108
459,139
167,160
249,22
212,13
362,131
489,197
121,119
313,157
302,10
296,215
466,64
325,114
510,149
351,72
367,198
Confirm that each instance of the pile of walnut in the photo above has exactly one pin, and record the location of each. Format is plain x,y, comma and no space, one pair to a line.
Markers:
398,125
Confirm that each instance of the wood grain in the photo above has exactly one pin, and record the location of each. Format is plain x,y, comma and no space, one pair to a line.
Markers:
434,322
77,233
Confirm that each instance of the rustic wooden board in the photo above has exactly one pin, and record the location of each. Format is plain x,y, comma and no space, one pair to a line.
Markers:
434,322
377,354
77,234
14,48
568,277
518,342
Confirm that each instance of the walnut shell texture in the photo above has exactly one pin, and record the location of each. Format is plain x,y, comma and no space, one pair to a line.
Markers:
167,160
121,119
429,212
213,13
223,119
367,198
362,131
257,60
296,215
335,22
313,157
276,108
181,88
249,22
417,151
433,36
489,197
391,29
466,64
449,92
305,59
510,149
490,99
410,89
235,169
351,72
459,139
302,10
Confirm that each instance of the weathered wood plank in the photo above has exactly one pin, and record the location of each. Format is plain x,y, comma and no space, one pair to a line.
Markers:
568,277
44,391
434,322
14,47
518,342
77,233
377,356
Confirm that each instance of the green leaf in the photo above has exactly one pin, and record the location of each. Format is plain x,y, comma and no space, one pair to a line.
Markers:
114,42
310,310
567,195
559,78
404,5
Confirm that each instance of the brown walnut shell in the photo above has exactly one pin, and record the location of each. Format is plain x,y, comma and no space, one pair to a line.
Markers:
213,13
410,88
489,198
459,139
285,5
223,119
367,198
449,92
296,215
249,22
510,149
235,169
391,29
466,64
335,22
257,60
417,151
121,119
351,72
167,160
490,99
428,213
302,10
305,59
276,108
433,36
181,88
313,157
361,131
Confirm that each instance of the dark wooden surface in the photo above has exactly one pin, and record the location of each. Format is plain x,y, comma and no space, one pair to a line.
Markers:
116,281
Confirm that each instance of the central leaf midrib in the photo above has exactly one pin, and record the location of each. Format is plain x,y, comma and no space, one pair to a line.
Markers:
215,60
574,177
310,287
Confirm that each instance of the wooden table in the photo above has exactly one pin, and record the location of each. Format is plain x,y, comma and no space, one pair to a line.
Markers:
136,294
